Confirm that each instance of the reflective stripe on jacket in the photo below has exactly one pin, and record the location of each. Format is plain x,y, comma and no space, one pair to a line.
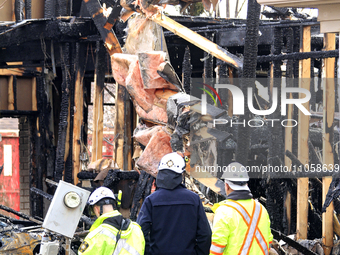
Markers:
240,227
102,239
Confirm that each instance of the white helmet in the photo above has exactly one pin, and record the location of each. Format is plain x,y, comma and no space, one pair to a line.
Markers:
99,194
172,161
236,172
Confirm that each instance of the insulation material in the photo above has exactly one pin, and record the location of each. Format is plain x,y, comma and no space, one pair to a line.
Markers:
148,8
126,71
140,35
134,85
120,64
155,115
143,134
149,63
158,146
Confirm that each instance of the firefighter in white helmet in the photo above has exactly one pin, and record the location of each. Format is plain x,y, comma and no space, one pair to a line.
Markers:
110,233
241,224
173,218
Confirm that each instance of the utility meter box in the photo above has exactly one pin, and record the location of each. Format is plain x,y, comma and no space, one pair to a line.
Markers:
66,208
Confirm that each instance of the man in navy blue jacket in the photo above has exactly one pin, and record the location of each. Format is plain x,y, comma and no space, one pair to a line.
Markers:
172,218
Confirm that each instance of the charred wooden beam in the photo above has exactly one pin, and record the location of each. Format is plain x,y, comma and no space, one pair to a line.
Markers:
279,236
222,78
19,10
84,175
50,9
332,194
186,70
80,64
288,134
68,175
62,8
42,193
312,85
64,113
58,29
20,214
208,71
9,113
249,73
114,15
295,83
141,185
116,175
28,9
149,186
40,145
298,56
50,150
276,151
108,36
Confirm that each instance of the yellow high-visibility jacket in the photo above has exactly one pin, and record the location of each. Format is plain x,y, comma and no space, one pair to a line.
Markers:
102,237
240,229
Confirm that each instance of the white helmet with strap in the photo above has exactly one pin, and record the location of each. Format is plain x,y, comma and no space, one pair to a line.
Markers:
99,194
172,161
236,176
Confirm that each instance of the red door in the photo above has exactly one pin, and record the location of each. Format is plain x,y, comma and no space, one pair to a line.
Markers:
9,177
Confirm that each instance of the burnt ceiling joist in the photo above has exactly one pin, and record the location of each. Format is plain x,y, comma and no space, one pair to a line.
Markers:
62,30
30,42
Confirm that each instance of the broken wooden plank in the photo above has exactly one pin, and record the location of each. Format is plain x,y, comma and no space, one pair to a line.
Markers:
61,150
108,36
12,71
303,152
198,40
20,214
327,144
